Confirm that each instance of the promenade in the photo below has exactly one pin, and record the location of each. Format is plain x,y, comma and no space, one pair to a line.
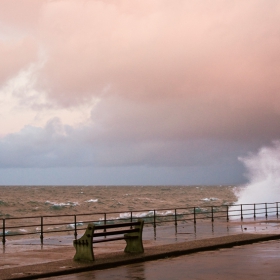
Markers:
28,259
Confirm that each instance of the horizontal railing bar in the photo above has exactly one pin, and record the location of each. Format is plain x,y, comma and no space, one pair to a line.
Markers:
155,217
119,212
36,225
18,233
37,217
65,230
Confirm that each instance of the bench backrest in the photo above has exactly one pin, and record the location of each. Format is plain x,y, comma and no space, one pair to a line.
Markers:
130,227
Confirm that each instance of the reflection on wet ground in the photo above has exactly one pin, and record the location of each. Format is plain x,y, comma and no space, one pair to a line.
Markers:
162,234
255,261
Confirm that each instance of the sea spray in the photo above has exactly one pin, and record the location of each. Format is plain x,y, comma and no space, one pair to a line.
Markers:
263,174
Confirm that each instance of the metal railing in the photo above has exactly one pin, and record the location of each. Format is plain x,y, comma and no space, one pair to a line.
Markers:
50,224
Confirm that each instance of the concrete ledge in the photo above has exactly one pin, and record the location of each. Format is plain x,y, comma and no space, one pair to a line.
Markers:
109,260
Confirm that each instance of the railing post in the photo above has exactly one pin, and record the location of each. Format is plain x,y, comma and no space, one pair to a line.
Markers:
194,217
266,210
75,225
155,219
277,209
105,222
4,232
176,222
241,212
42,230
227,214
131,216
254,211
212,214
194,227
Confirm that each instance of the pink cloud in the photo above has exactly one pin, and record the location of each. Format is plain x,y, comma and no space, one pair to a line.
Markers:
16,55
187,69
182,52
23,15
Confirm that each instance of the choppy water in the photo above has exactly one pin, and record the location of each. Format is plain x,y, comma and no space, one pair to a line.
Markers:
18,201
65,205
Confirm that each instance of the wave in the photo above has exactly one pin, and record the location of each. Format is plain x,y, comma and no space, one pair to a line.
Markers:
210,199
199,210
58,206
147,214
263,173
3,203
92,200
72,226
14,232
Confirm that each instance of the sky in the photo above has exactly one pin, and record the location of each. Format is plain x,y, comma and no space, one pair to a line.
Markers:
142,92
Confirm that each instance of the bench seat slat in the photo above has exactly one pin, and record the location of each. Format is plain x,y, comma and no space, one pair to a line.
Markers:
116,225
111,239
115,232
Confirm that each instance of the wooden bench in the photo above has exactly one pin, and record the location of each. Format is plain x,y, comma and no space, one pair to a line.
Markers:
131,232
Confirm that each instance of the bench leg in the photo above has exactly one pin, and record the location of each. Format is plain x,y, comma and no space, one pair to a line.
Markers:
133,243
133,240
83,246
84,252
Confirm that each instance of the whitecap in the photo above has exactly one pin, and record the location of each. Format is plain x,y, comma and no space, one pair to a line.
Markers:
61,205
210,199
72,226
92,200
145,214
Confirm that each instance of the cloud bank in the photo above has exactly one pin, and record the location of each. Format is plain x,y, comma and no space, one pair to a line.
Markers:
148,83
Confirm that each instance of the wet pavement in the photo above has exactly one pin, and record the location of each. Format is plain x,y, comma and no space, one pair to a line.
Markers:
29,259
154,236
255,261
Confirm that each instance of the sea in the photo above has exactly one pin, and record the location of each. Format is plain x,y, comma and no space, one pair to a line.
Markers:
63,207
20,201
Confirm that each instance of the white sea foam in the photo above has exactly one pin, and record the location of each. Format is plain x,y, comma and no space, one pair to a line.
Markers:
72,226
210,199
263,173
201,210
58,205
137,215
145,214
92,200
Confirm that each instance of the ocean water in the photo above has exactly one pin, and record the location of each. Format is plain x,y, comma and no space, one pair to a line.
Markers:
20,201
21,207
